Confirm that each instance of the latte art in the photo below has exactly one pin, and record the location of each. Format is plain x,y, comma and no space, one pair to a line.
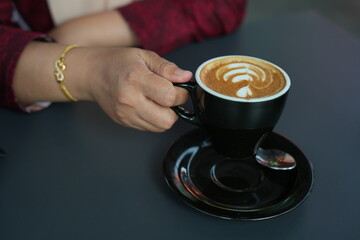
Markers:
243,77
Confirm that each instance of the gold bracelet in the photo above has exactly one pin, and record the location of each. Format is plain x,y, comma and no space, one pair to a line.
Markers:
59,72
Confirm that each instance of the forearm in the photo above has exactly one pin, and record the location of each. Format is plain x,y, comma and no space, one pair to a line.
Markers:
134,87
102,29
34,79
12,43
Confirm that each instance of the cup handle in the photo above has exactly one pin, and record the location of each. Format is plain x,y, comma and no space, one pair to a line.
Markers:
189,116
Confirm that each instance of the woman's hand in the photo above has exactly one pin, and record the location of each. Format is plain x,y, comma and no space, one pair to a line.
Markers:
135,88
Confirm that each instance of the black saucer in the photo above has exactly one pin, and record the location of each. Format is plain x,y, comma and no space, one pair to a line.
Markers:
233,188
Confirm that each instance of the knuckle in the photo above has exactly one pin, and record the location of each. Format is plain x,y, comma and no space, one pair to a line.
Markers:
149,56
165,65
123,99
170,98
132,77
125,105
121,116
150,53
169,121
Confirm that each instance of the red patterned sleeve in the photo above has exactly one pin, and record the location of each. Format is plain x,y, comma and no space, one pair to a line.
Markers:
163,25
12,43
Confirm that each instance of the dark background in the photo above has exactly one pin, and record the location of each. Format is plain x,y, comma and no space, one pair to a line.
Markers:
344,13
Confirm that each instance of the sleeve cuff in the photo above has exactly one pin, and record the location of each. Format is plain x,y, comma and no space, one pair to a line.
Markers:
13,41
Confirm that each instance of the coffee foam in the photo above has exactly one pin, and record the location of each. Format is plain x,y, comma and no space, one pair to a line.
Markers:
243,77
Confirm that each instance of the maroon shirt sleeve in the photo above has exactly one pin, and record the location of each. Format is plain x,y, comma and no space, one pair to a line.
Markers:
12,42
163,25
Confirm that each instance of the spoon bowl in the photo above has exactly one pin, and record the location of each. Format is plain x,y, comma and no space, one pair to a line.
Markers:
275,159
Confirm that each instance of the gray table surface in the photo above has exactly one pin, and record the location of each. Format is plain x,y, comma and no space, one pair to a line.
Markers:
72,173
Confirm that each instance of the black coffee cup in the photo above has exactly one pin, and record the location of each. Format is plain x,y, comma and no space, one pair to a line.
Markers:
235,126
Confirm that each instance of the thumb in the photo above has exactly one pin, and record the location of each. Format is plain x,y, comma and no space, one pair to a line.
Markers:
166,69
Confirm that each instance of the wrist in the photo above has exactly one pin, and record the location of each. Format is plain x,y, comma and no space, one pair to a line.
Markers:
34,79
80,73
93,71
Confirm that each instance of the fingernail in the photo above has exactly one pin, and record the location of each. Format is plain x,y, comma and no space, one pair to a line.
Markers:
182,72
179,72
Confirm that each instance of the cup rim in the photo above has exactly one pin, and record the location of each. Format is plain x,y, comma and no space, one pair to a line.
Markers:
262,99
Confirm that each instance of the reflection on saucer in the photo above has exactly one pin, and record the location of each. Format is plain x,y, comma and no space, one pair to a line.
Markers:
232,188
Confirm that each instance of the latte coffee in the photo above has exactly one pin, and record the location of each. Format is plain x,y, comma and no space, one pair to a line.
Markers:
243,77
236,100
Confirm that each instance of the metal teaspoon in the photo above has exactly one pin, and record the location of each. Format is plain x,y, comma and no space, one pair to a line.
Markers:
275,159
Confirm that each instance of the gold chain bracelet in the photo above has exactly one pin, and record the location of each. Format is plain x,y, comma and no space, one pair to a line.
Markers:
59,72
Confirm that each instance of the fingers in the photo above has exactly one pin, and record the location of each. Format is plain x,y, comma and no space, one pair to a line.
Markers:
141,124
166,69
158,118
141,91
147,116
163,92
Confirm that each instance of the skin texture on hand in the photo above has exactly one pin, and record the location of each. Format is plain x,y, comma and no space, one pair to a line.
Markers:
133,86
141,93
